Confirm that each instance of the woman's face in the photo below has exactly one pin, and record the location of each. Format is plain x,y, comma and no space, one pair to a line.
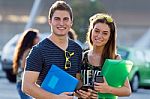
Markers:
100,34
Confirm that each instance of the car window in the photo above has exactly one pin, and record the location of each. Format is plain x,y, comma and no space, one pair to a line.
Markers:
13,41
124,53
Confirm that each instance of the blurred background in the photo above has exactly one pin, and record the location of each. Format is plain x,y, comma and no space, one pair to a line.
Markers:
131,16
133,29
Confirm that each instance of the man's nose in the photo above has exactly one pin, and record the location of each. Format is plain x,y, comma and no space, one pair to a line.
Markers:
61,22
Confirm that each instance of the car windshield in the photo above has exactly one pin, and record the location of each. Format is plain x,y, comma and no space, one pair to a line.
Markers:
14,40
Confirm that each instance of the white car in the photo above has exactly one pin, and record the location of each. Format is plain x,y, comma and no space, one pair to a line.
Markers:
7,56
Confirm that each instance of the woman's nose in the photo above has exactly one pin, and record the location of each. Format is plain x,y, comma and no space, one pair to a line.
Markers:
100,34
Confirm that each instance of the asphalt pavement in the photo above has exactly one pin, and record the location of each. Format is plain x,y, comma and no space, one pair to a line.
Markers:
8,90
2,74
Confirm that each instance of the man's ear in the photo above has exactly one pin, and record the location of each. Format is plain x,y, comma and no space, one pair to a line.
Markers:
49,21
71,23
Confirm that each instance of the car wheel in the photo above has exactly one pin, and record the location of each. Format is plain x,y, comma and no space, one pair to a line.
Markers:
10,76
135,83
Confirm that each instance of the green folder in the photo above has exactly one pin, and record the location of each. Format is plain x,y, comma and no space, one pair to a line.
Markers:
115,72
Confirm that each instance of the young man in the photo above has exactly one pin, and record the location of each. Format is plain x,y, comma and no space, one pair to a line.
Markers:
53,50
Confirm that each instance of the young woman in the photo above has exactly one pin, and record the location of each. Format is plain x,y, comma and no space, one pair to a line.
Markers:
27,40
102,40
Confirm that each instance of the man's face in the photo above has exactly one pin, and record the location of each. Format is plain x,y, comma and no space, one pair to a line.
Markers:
60,22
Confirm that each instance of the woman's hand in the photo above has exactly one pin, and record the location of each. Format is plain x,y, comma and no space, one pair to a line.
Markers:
102,87
84,94
94,95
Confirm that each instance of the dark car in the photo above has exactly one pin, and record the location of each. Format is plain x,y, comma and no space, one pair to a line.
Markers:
140,73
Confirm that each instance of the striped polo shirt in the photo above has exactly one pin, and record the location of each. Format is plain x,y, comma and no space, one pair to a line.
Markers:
46,53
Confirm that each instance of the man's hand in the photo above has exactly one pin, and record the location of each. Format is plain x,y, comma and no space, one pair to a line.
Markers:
65,95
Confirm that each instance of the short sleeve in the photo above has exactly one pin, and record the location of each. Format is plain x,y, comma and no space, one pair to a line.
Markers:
34,60
80,61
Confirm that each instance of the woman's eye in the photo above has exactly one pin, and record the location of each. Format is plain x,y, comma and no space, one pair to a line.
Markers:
105,33
96,31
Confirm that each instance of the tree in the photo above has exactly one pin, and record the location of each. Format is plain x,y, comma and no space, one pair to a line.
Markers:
83,9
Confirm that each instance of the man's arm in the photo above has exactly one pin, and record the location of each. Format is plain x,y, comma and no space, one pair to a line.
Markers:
31,88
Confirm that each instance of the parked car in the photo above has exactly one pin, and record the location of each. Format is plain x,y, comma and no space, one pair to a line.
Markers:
7,56
140,73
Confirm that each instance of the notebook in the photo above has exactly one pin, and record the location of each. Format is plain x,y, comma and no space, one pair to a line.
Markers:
115,72
58,81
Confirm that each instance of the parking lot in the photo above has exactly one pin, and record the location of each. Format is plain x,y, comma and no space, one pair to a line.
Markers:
8,90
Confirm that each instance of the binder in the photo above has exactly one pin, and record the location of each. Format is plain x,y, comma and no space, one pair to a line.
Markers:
58,81
115,72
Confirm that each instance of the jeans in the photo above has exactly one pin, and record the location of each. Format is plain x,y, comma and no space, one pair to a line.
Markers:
21,94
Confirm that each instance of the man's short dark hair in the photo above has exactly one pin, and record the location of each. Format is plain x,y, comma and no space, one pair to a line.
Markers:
60,5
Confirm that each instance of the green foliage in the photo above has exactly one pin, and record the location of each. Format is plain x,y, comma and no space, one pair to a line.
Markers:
83,9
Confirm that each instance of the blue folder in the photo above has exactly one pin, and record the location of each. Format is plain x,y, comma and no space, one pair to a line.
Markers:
58,81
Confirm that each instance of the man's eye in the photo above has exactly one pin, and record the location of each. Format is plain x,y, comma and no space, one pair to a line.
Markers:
56,19
96,31
66,19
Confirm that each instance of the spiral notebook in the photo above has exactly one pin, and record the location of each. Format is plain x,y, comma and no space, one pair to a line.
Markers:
58,81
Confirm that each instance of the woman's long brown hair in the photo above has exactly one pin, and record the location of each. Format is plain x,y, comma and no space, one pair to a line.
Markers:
109,51
25,42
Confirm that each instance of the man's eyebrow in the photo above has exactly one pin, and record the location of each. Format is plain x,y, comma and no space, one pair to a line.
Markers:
96,29
57,17
66,17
